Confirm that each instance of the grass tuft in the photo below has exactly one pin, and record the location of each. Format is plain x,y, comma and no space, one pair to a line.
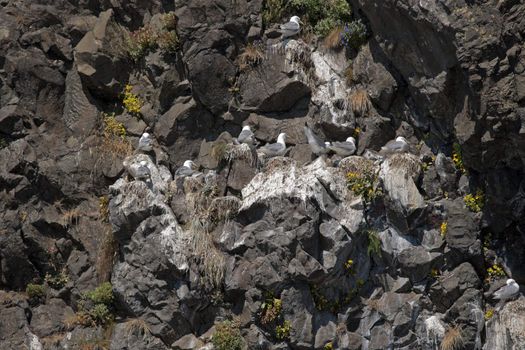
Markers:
453,339
359,101
333,40
251,56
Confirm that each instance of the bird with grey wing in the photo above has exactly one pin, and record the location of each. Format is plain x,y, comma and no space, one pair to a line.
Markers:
145,143
186,169
291,28
275,149
246,136
508,291
399,145
345,148
317,145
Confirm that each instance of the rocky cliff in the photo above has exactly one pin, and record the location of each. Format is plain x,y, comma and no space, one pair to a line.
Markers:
369,251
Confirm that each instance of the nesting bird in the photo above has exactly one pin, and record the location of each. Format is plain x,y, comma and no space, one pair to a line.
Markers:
509,291
145,142
275,149
186,169
345,148
246,136
399,145
292,27
316,144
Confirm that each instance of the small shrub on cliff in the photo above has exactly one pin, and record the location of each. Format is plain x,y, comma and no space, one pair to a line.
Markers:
488,314
282,332
114,138
131,101
457,158
328,346
323,15
354,34
273,11
227,336
364,184
58,280
475,201
36,291
270,310
140,42
495,271
169,42
443,228
95,306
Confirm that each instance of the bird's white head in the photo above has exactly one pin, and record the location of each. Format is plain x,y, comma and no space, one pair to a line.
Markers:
295,19
146,135
350,139
247,127
189,164
143,163
401,139
510,281
327,144
282,138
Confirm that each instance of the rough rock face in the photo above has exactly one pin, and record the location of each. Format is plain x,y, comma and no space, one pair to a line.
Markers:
105,247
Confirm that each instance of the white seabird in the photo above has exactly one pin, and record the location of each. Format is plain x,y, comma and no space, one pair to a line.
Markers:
345,149
246,136
275,149
186,169
145,142
399,145
316,144
291,28
508,291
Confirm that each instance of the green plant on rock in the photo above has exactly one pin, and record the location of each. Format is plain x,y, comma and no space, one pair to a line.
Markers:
131,101
140,42
169,42
349,266
321,15
457,158
95,306
443,228
273,11
37,291
328,346
488,314
227,336
354,34
495,271
282,332
475,202
270,310
56,281
103,294
374,243
364,184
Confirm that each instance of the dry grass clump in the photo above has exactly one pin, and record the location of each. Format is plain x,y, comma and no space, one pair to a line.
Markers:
251,56
70,217
210,260
453,339
224,208
107,254
359,101
137,327
333,40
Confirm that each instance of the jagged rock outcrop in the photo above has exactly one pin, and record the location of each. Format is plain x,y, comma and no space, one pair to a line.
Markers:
295,252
